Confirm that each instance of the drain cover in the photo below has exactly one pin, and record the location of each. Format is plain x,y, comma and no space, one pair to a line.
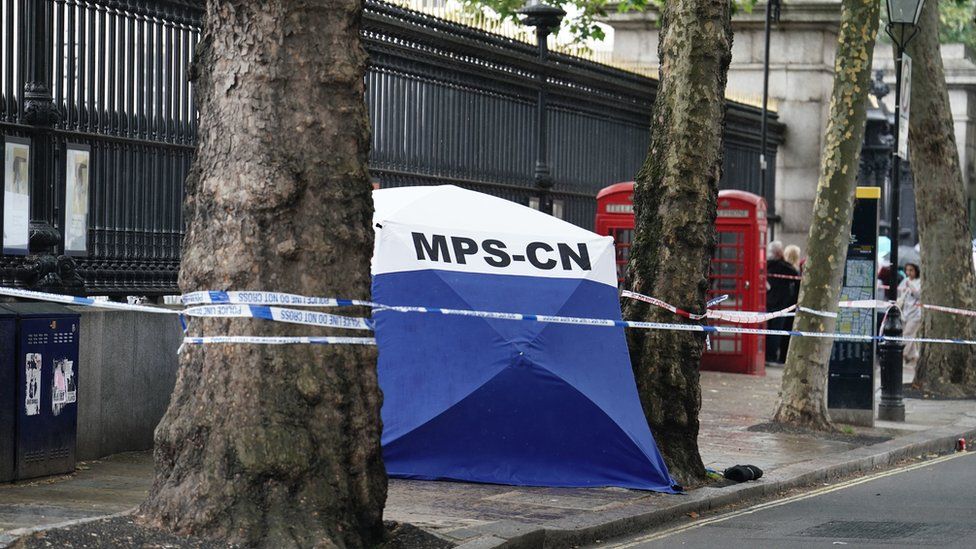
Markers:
857,529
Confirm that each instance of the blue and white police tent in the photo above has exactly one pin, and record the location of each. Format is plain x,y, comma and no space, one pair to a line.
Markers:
502,401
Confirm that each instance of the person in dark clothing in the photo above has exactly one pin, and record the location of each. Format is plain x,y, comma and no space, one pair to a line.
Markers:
884,273
792,255
780,294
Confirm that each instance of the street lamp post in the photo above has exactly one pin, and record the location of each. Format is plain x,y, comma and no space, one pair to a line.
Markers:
545,19
902,27
772,15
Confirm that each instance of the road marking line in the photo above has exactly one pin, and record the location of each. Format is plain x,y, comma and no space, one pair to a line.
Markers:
769,505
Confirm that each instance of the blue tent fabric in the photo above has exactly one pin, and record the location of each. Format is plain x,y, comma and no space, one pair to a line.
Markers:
509,402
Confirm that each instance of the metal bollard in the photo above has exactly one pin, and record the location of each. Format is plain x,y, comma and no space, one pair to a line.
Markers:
891,407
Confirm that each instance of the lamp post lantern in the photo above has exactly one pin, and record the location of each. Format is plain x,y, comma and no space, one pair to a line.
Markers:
545,19
902,27
905,12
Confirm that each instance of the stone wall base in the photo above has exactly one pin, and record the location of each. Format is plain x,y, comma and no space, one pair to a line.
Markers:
127,370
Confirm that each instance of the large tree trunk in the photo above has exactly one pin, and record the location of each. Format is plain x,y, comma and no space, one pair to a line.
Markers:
675,200
940,205
276,446
803,400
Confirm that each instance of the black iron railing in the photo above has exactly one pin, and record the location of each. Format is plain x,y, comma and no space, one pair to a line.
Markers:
449,104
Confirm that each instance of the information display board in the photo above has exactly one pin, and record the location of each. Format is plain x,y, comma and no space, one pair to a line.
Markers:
850,385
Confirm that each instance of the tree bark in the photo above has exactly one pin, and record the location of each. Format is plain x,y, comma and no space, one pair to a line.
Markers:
940,206
675,201
264,445
803,400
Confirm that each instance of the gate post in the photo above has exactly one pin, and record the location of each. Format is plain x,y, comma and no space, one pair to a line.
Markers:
43,269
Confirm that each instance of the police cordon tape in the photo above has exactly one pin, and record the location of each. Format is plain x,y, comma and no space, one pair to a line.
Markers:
227,310
784,277
295,300
279,314
950,310
265,312
84,301
307,340
728,315
800,277
580,321
883,304
716,300
244,309
268,298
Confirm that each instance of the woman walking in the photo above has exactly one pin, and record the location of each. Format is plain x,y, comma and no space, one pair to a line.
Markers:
910,303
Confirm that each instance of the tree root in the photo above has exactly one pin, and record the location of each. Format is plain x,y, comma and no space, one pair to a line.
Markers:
803,418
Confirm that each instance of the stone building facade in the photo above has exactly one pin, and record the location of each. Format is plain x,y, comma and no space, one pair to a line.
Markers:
802,51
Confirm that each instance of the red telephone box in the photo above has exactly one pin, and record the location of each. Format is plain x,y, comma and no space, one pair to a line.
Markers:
738,266
739,271
615,217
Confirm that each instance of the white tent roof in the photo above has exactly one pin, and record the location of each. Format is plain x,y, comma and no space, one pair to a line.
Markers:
450,206
535,244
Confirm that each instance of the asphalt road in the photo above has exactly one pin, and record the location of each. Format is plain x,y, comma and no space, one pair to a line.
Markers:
929,504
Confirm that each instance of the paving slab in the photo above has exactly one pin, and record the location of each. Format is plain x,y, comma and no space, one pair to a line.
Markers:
96,489
480,516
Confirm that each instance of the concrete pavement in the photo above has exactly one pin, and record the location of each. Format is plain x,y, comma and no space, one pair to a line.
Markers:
96,489
481,516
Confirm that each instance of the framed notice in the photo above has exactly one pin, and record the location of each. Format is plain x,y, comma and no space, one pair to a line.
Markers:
905,106
16,195
76,193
